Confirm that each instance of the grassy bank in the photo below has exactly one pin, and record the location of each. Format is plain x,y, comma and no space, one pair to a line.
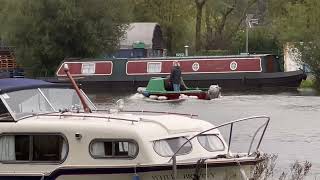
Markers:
309,83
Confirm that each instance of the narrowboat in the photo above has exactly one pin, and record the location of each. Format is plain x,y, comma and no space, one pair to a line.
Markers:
161,89
52,131
229,72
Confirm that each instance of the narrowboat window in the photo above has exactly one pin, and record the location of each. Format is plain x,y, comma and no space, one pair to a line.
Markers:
114,149
167,147
154,67
33,148
211,142
88,68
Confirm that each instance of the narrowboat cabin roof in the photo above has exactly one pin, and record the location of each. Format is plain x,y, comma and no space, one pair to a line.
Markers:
167,57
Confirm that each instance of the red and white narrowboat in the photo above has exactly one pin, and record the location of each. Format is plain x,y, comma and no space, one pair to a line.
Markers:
229,72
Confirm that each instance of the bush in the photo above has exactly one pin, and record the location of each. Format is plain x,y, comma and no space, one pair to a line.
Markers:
214,53
265,169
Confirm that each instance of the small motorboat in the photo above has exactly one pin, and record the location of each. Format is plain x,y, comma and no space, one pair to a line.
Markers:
54,132
160,88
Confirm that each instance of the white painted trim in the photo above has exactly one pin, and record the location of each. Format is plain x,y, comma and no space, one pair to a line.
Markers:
154,63
74,62
195,72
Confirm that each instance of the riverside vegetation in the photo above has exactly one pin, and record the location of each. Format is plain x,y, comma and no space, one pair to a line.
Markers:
45,32
265,169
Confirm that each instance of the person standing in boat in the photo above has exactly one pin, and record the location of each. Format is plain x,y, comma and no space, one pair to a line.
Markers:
175,76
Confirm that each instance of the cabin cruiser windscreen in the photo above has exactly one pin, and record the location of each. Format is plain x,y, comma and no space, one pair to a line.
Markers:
28,102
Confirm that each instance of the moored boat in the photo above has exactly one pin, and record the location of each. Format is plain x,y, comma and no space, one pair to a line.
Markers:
235,72
52,131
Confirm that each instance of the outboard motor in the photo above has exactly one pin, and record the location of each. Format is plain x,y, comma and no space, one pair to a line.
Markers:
214,91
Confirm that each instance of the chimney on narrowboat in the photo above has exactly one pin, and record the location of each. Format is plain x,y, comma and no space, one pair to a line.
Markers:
186,50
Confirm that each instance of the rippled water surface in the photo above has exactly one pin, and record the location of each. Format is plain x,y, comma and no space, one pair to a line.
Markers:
293,133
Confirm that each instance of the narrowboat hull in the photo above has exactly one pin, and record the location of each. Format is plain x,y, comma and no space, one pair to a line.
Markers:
229,72
235,81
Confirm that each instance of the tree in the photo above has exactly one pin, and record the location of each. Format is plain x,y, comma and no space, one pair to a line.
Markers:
45,32
199,7
223,19
297,22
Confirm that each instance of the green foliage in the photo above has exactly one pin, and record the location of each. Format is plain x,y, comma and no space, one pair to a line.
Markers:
311,56
214,53
297,21
45,32
224,19
261,40
309,83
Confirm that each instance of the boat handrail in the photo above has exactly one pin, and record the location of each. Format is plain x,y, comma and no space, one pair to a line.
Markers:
154,112
84,116
162,112
231,123
106,117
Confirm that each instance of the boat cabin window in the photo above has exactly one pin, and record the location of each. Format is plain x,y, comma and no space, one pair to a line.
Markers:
43,100
211,142
154,67
4,113
33,148
88,68
26,102
103,148
167,147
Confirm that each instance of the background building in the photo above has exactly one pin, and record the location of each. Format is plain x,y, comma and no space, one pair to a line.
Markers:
141,40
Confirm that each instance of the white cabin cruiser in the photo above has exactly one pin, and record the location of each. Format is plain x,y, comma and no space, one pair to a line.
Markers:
47,133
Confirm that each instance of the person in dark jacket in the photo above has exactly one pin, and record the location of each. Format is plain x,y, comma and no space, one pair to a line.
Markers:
175,76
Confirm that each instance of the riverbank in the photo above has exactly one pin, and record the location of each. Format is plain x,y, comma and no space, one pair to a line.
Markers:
308,83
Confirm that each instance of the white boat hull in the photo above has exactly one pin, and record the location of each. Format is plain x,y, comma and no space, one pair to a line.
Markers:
217,173
217,170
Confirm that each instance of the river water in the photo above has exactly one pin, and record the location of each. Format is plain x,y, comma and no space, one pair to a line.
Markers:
293,133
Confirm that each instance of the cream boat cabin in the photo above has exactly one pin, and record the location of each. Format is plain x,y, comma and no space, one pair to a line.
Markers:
45,134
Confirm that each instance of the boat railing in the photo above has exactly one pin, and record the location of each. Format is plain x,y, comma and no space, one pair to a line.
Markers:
161,112
152,112
85,116
231,124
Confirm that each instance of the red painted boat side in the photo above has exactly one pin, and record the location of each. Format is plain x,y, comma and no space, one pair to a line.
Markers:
101,68
196,66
